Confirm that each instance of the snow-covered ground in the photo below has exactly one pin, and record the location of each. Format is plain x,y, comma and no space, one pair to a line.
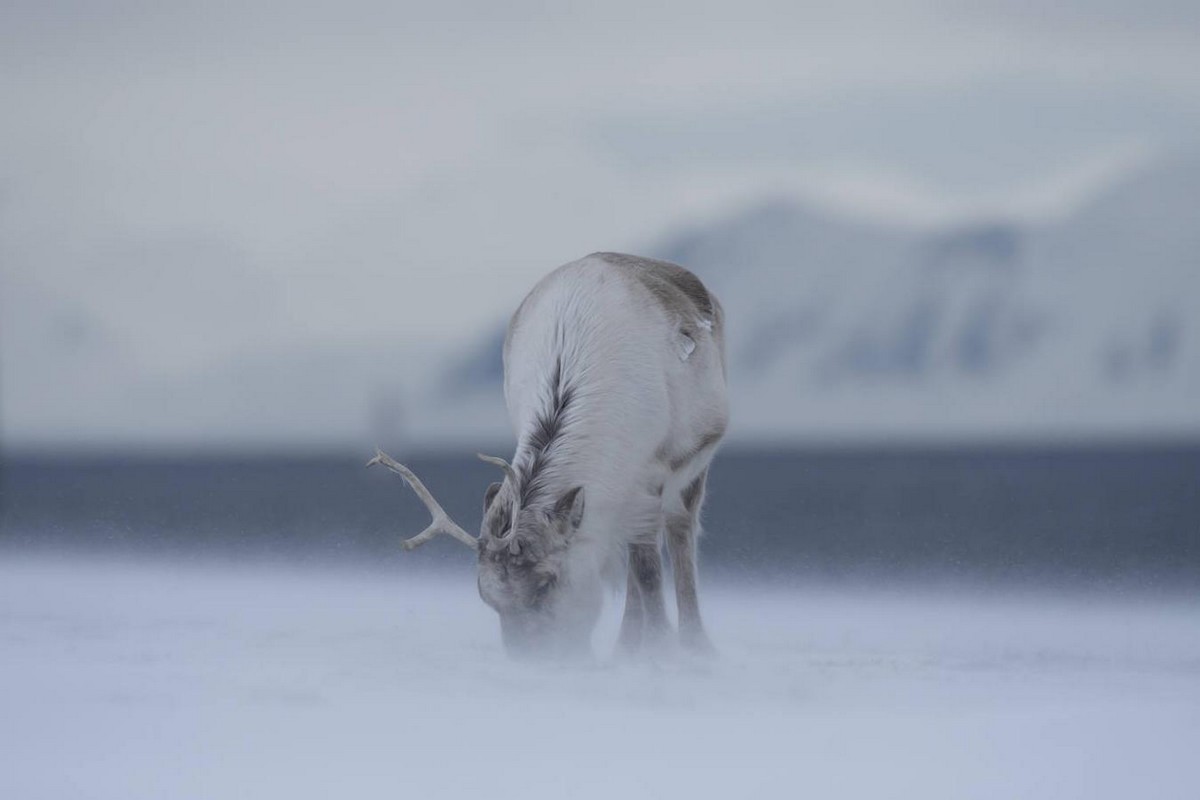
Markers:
144,680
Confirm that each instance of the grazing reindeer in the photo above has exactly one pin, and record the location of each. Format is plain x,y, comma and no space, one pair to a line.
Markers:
614,376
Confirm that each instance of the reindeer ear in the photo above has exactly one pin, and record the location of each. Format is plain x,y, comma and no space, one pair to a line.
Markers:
545,576
570,507
489,496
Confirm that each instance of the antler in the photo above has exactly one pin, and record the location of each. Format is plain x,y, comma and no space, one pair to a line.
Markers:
441,520
509,472
509,539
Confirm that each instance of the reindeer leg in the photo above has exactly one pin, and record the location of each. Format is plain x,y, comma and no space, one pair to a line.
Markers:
630,638
645,563
682,532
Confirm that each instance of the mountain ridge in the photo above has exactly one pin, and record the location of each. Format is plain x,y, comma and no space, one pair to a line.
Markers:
841,327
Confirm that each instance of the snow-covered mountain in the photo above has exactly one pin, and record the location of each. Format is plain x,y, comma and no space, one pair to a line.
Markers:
845,329
839,329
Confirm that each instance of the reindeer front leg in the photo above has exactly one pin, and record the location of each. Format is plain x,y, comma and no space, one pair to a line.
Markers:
646,569
630,638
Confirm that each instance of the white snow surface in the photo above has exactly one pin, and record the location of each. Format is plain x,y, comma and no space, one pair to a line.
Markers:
153,680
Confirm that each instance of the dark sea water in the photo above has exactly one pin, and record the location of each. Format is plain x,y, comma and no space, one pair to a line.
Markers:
1088,516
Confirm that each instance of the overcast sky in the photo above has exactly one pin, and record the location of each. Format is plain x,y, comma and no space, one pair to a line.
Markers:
205,177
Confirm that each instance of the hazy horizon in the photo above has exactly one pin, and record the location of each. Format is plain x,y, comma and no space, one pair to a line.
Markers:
260,224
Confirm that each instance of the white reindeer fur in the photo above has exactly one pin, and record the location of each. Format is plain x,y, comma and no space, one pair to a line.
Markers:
646,409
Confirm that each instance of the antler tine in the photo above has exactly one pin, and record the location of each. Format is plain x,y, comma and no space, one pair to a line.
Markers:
502,464
441,520
509,539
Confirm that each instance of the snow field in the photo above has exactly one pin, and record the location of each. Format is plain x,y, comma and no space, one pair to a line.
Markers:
152,680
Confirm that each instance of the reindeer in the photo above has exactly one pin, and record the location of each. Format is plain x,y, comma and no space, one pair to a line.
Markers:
614,378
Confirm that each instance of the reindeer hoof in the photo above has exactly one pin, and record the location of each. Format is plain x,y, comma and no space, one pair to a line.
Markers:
697,643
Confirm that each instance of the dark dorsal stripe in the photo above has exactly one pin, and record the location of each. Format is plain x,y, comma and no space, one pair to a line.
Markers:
672,285
547,428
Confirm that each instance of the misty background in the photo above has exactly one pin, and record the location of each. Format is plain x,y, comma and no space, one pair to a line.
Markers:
299,227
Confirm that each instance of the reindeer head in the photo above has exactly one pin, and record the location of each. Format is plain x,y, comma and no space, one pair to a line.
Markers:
526,571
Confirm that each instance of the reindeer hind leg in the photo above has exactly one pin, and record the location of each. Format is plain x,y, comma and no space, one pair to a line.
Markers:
683,528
